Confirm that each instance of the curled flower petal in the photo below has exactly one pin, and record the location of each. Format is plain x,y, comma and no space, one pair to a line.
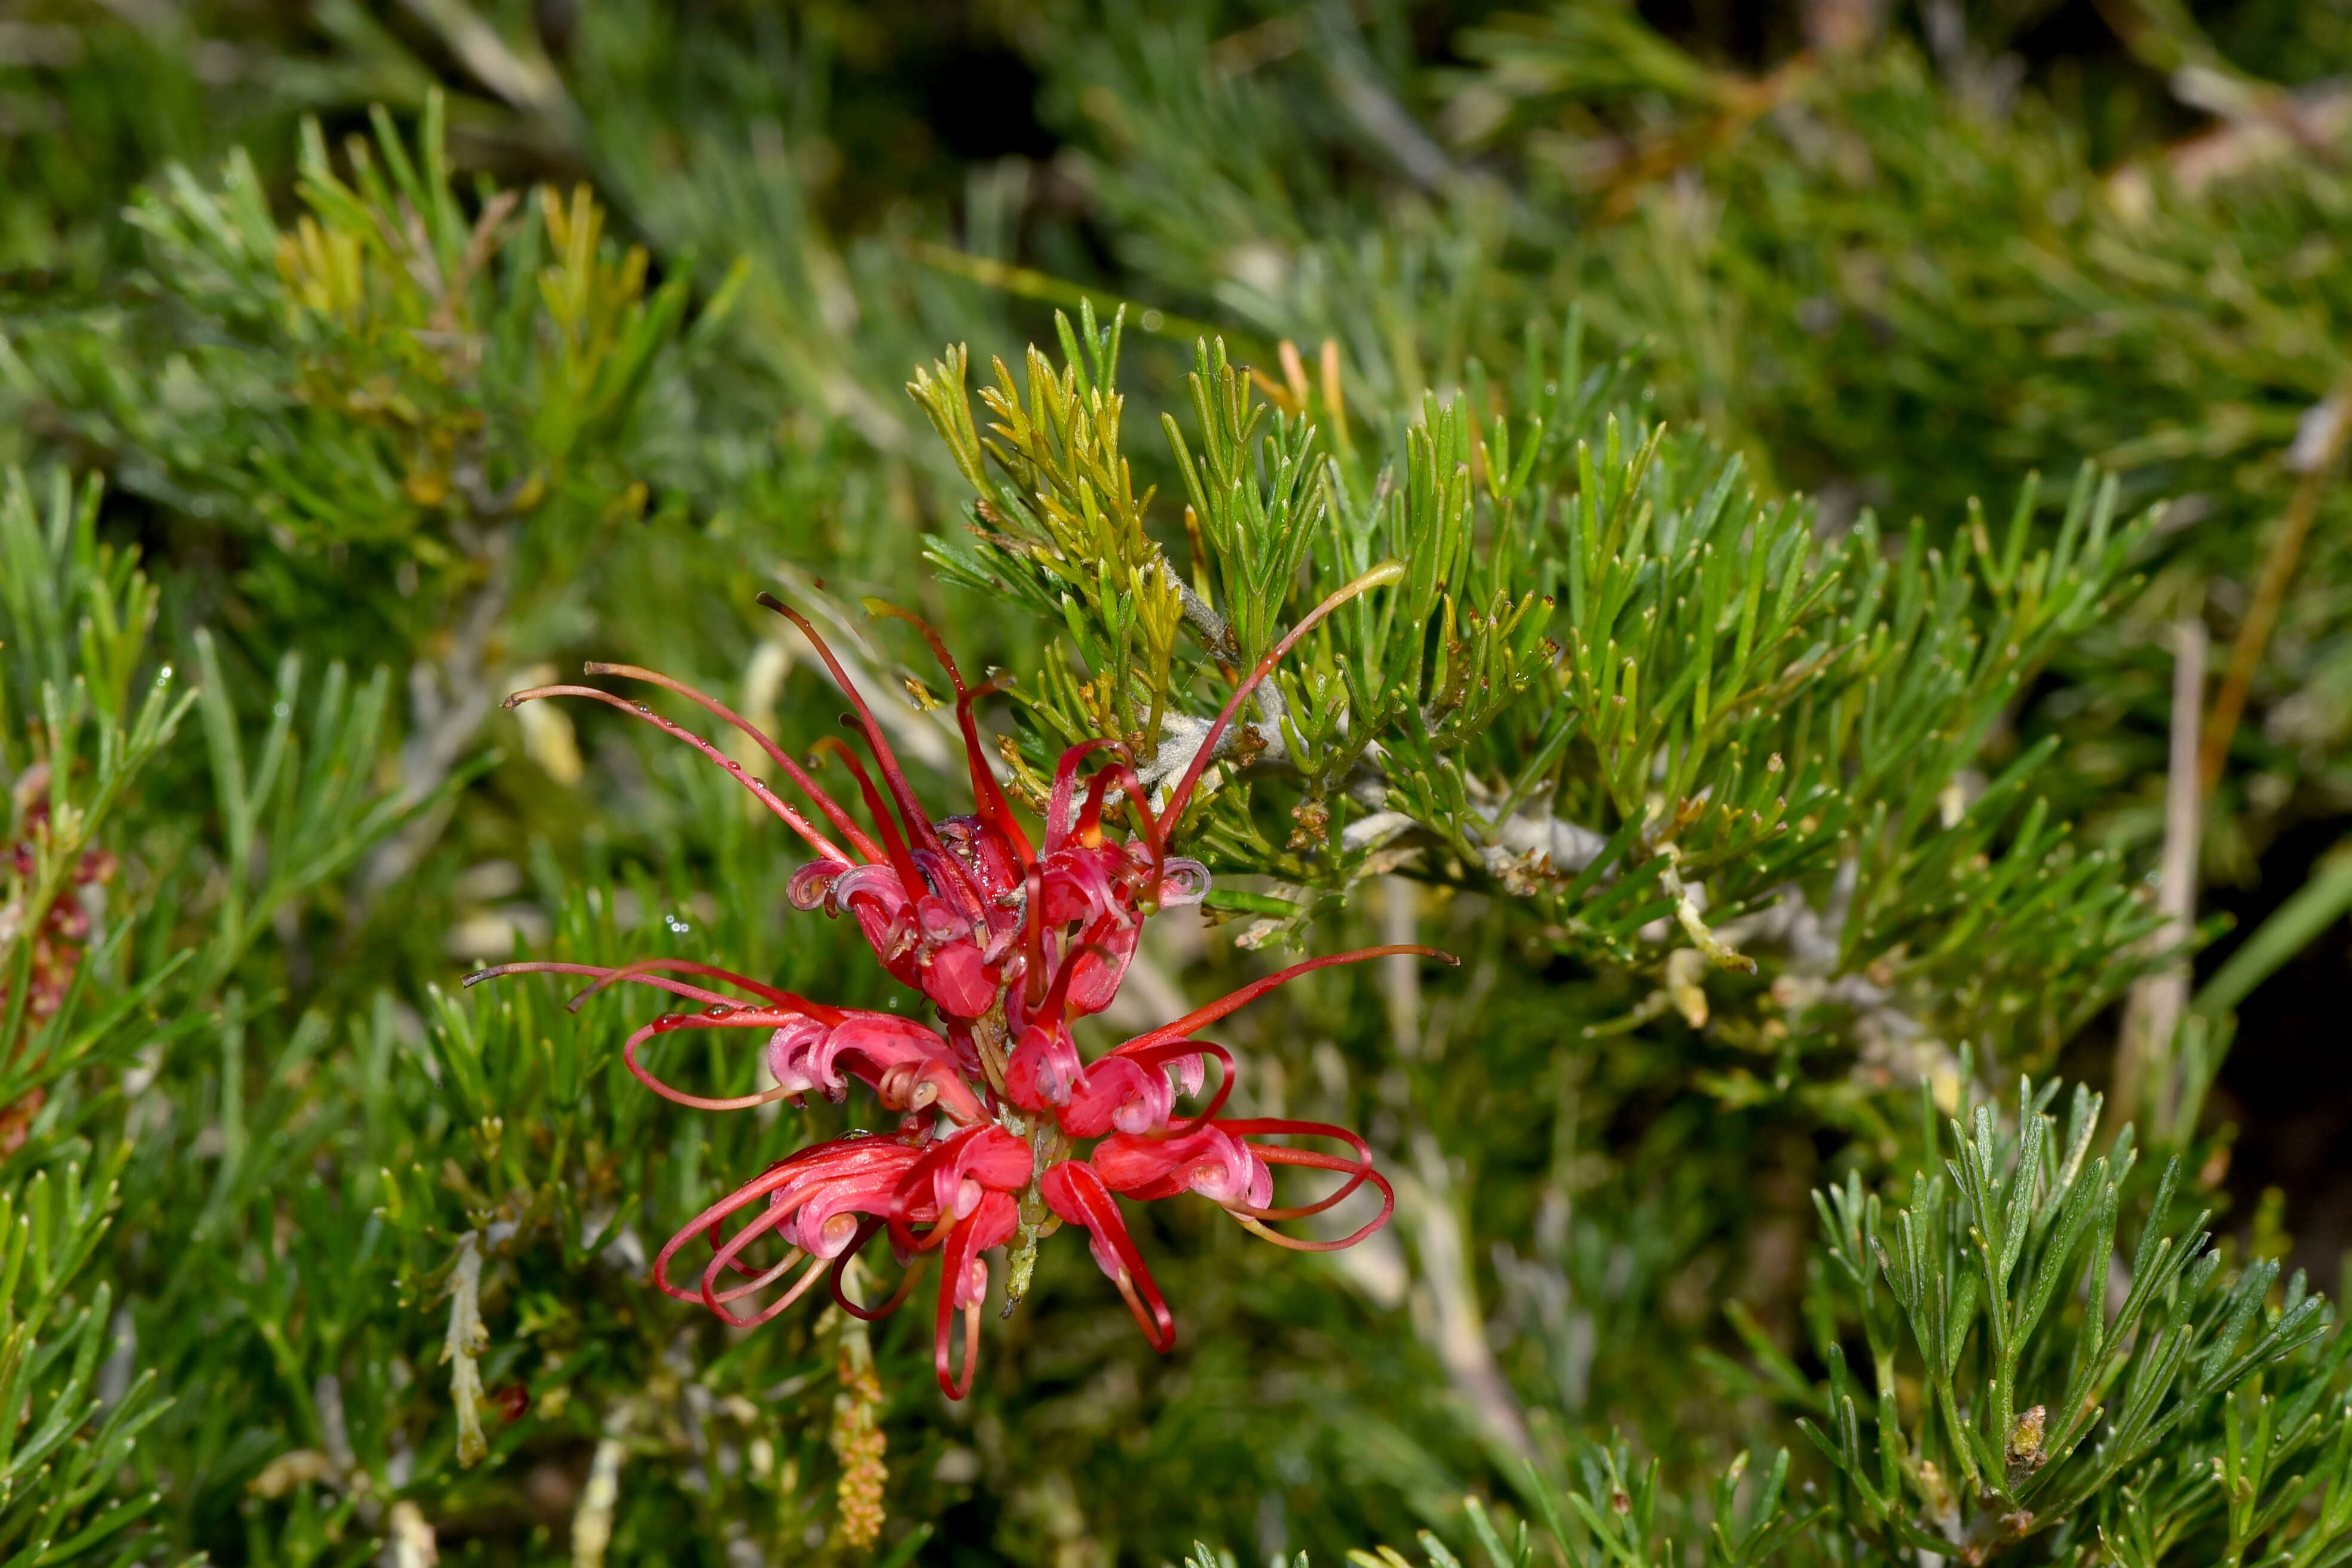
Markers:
923,1086
940,921
955,977
1359,1168
1134,1091
949,879
953,1173
1045,1068
858,1172
1100,967
1207,1161
1076,1194
812,886
715,1017
1119,1091
1080,886
825,1217
993,863
804,1055
1182,883
963,1283
1253,1219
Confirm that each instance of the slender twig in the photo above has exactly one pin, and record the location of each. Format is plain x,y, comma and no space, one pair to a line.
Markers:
1456,1328
448,700
2317,460
2158,1001
1028,283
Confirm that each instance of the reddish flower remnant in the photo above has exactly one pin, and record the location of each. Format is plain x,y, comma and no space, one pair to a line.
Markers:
1010,941
63,929
60,933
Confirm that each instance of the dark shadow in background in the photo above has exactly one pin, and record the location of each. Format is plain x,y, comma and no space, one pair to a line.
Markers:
2287,1081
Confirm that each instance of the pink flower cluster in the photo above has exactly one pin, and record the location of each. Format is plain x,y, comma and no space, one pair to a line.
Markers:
1010,942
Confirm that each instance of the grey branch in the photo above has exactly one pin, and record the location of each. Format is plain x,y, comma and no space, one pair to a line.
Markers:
449,697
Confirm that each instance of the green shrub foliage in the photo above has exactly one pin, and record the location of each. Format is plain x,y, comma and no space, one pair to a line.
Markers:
1759,485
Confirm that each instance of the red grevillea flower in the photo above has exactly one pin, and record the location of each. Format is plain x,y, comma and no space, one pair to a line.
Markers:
1010,940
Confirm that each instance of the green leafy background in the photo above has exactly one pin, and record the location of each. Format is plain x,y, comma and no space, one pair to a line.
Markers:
1805,432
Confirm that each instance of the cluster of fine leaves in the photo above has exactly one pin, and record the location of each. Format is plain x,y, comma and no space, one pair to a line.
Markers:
2065,1389
1613,682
